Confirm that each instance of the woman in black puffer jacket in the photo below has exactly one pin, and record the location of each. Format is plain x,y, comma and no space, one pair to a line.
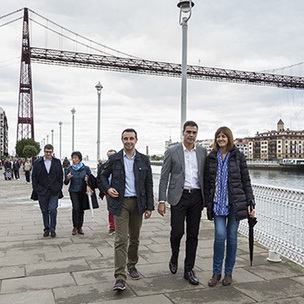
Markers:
229,199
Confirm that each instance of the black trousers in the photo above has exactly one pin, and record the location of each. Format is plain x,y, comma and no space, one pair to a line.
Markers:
16,173
189,208
77,211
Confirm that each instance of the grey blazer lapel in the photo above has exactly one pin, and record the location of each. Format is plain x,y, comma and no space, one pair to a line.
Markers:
181,156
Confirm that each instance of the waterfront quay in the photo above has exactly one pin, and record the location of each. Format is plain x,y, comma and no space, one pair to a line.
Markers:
79,269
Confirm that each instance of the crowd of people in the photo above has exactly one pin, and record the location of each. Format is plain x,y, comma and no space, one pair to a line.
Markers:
189,181
11,168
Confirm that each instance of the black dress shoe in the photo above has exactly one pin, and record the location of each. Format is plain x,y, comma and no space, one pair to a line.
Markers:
190,276
173,267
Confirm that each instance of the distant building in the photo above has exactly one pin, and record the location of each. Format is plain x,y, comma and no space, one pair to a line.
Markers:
206,143
3,133
242,145
276,144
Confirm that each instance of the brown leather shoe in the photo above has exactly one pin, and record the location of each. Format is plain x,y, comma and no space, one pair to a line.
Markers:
80,231
213,281
227,280
74,231
46,233
53,234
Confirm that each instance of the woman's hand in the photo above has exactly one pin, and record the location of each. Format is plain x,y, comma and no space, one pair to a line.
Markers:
69,176
251,211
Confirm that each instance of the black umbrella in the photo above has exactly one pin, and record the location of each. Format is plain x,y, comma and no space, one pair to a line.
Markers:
251,222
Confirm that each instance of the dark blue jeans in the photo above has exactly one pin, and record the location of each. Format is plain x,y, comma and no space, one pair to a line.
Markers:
48,204
225,228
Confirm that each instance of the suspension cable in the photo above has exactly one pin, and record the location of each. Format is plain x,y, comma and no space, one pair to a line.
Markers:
9,22
74,40
11,13
92,41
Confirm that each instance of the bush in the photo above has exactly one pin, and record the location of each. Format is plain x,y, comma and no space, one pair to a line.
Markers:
34,147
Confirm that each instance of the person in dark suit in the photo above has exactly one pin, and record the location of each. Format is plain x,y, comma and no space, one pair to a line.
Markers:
47,182
16,167
130,196
183,168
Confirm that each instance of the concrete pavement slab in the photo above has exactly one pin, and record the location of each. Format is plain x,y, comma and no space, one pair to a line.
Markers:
90,293
210,295
29,297
271,290
93,276
36,282
159,299
9,272
56,267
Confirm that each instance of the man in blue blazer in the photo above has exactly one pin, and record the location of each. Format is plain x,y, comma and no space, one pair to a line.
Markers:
183,169
47,182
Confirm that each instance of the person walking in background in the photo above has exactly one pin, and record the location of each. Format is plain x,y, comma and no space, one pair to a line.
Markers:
130,196
184,164
47,182
16,167
65,164
78,176
8,169
229,199
27,170
110,214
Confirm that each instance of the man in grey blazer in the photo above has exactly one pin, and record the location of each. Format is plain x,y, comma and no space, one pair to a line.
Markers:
183,167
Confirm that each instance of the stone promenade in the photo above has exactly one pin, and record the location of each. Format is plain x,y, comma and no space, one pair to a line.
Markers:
79,269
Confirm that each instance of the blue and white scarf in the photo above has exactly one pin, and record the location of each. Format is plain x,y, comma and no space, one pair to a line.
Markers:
78,166
221,202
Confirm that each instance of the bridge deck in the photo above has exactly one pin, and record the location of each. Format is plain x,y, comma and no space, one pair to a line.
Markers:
79,269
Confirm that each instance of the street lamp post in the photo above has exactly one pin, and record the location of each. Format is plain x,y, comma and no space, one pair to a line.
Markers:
73,111
98,88
184,16
47,139
52,137
60,124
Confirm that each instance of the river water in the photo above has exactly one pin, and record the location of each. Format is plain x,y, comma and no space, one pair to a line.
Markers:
277,178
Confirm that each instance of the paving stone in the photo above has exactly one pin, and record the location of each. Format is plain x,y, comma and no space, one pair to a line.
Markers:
293,300
159,299
29,297
211,295
91,253
161,284
271,290
12,272
93,276
36,282
91,293
56,267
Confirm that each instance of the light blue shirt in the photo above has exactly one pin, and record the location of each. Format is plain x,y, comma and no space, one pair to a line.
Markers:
130,180
47,164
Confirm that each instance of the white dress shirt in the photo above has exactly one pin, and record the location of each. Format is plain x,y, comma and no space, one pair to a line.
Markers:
191,169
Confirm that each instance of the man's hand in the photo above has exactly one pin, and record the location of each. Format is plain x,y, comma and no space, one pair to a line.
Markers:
162,208
148,213
112,192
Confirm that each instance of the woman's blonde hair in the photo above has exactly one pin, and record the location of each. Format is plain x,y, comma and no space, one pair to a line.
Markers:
229,135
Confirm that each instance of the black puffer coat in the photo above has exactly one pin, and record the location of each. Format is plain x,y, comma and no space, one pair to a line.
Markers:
239,185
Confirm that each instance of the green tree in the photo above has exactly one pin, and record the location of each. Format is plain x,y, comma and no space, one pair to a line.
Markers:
29,151
22,143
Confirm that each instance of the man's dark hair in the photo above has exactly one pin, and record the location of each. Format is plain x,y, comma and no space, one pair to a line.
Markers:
129,130
190,123
48,147
111,150
77,153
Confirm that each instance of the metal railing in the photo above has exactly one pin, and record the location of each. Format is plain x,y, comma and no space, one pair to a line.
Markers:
280,213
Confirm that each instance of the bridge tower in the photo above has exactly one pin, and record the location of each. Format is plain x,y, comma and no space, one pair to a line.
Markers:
25,124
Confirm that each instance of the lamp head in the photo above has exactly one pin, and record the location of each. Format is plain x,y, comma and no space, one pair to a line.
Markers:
98,87
185,6
73,111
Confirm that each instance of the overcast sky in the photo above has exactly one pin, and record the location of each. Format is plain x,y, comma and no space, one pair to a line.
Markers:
236,34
